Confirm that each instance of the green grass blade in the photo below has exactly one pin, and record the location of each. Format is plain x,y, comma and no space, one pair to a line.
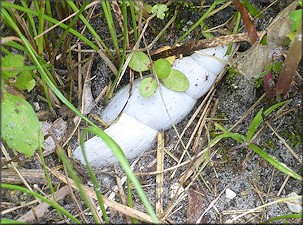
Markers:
213,5
130,199
134,20
14,44
273,107
283,217
76,179
90,28
255,123
227,134
9,221
92,175
126,167
258,119
235,30
110,23
44,199
5,51
278,165
107,139
125,40
50,24
30,19
74,20
62,25
51,187
39,41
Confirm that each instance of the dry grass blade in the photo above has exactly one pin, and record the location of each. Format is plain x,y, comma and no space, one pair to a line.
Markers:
210,205
65,19
13,166
202,44
31,176
112,204
261,207
285,144
159,176
122,193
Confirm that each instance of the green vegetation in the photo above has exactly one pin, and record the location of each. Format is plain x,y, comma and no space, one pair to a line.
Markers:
247,140
171,78
41,36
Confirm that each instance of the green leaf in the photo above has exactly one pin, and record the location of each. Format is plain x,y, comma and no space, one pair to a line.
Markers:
20,125
148,87
160,9
296,16
163,68
25,81
139,62
277,67
176,81
10,65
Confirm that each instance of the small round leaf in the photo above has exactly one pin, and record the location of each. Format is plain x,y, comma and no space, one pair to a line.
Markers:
163,68
148,87
139,62
176,81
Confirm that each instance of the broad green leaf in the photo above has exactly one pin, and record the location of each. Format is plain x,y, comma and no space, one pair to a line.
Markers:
176,81
25,81
148,86
280,166
139,62
10,65
20,125
163,68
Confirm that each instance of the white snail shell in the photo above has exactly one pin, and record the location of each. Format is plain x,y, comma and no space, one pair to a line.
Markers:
136,128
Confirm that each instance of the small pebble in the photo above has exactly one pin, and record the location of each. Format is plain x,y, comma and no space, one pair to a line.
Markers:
174,189
295,205
230,194
37,106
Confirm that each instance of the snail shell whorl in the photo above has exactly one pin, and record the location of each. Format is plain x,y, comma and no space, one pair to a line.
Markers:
135,130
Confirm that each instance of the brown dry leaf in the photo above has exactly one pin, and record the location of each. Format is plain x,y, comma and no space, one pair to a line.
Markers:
197,203
57,129
251,62
171,59
87,97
